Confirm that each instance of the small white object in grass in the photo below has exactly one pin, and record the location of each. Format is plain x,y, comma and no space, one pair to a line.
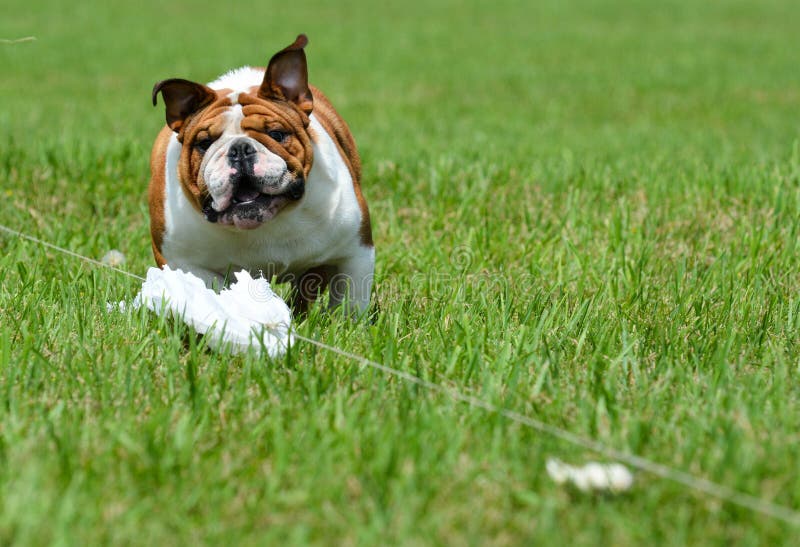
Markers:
246,315
593,476
113,258
120,306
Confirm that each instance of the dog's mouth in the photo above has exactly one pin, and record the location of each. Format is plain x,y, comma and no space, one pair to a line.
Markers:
250,207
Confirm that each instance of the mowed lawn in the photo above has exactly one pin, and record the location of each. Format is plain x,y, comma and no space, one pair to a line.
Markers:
585,212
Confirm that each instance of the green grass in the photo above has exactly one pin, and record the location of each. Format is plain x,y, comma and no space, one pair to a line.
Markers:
585,212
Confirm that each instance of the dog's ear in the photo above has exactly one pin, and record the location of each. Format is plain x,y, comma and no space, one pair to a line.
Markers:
286,77
182,98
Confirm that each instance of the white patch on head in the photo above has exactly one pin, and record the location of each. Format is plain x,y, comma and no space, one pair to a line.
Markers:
233,120
239,80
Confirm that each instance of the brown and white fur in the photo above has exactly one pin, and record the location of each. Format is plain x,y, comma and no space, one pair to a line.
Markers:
257,171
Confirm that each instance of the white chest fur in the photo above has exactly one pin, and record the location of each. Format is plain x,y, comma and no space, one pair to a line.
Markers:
320,229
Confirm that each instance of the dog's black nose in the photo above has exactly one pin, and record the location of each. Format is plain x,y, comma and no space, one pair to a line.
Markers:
240,151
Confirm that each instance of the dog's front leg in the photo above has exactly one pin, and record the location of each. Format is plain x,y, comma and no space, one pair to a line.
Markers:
352,283
307,287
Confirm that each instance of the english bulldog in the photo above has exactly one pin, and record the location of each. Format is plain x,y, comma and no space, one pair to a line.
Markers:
257,171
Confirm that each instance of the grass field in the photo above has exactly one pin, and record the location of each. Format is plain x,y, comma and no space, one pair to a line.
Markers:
585,212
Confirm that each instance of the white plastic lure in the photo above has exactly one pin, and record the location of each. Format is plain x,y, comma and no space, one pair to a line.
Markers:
246,315
593,476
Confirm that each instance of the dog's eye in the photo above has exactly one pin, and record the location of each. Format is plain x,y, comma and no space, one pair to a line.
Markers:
203,145
277,136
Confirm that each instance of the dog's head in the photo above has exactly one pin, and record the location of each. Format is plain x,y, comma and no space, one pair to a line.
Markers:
245,154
